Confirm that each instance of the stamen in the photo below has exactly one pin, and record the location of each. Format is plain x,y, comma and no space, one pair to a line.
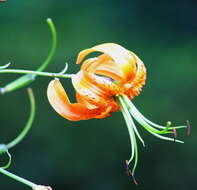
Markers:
137,133
188,128
134,150
165,138
134,127
152,123
140,119
136,157
175,134
128,171
129,112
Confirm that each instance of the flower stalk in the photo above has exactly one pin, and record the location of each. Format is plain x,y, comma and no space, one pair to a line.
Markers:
24,181
17,178
4,148
30,77
38,73
29,123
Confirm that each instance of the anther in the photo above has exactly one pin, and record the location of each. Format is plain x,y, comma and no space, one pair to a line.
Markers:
128,171
188,128
175,134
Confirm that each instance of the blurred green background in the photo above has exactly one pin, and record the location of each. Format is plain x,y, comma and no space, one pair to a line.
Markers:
90,154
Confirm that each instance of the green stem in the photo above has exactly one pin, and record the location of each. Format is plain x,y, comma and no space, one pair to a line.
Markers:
17,178
47,74
53,47
27,127
9,161
27,79
19,139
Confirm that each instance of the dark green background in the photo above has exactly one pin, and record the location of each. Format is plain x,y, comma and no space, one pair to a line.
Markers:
90,154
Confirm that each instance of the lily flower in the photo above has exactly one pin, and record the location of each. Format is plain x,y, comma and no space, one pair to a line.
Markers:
105,84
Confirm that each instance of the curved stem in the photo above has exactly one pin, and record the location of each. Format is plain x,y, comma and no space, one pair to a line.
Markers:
17,178
27,79
29,122
5,66
47,74
53,47
9,161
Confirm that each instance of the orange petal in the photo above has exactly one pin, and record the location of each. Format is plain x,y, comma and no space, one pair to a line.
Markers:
102,65
109,69
93,90
86,101
61,104
133,87
122,58
92,63
105,83
85,86
110,106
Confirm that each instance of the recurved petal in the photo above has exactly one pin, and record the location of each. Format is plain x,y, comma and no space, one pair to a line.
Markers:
62,105
121,56
106,84
93,90
85,85
92,63
134,86
103,65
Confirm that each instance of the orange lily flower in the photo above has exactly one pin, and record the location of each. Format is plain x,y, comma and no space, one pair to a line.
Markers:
106,84
116,71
